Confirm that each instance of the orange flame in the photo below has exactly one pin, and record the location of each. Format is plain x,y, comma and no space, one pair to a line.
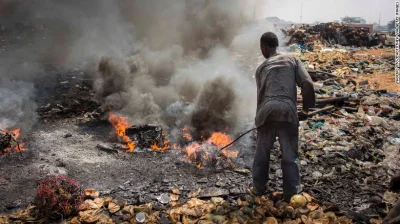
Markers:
120,125
165,147
220,139
191,154
17,146
186,134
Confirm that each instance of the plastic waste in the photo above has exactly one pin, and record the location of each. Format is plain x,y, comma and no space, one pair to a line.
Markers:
360,112
140,217
164,198
377,121
394,141
371,111
316,175
354,95
317,125
340,132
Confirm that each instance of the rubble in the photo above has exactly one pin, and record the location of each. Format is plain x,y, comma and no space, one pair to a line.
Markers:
329,34
8,141
349,145
146,135
245,209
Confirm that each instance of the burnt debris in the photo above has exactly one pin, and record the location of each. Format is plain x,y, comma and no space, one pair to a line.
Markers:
330,34
146,135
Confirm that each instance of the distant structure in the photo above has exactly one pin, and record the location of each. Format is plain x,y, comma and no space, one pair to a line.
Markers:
279,22
379,28
273,19
348,19
367,27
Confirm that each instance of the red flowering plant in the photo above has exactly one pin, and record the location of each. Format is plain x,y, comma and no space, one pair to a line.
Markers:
58,197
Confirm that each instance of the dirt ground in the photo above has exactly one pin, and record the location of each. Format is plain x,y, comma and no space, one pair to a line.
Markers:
64,142
382,80
378,52
65,138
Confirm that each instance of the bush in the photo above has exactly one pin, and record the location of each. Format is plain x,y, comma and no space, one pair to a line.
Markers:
58,197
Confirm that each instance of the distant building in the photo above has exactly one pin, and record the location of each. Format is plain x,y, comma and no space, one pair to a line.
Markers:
362,21
273,19
279,22
349,19
367,27
378,28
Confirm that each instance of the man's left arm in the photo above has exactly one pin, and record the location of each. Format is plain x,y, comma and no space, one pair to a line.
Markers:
305,82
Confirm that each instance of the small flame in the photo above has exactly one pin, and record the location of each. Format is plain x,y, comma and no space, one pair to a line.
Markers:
196,154
165,147
186,134
192,151
120,125
220,139
230,154
14,145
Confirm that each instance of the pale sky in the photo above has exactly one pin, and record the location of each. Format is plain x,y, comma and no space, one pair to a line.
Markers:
329,10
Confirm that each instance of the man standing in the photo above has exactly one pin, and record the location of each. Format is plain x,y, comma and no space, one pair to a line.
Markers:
276,115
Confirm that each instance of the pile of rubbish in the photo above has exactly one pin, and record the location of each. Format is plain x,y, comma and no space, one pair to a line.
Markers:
351,141
189,209
346,63
329,34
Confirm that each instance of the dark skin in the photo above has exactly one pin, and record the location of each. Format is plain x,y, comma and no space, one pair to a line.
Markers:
395,183
267,51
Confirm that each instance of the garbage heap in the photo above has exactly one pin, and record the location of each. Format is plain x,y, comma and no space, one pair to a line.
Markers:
346,63
350,145
329,34
188,209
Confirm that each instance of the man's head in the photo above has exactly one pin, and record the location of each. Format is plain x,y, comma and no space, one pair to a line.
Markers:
268,44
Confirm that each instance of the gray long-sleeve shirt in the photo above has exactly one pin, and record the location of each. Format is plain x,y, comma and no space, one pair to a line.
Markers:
276,81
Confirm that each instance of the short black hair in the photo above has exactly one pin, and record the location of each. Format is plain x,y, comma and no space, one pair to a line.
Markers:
269,39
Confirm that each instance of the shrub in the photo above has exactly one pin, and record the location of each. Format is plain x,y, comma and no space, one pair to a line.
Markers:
58,197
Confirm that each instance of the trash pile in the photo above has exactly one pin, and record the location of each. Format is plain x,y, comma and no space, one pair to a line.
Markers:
351,141
329,34
189,209
346,63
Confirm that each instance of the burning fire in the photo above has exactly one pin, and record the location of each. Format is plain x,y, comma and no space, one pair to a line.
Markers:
13,144
195,153
220,139
198,152
120,125
186,134
166,146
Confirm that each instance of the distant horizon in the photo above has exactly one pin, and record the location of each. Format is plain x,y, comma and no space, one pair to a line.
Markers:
336,20
327,11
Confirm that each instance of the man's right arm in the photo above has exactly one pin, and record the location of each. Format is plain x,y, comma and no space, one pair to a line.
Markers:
305,82
258,82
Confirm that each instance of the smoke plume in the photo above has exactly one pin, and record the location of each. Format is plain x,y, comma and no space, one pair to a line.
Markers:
164,62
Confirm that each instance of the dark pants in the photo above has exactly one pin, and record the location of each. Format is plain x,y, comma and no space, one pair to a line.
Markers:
288,139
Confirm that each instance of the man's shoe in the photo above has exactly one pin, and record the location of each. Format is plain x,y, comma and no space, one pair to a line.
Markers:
254,192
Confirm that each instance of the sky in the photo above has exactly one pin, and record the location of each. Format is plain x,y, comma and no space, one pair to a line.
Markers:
328,10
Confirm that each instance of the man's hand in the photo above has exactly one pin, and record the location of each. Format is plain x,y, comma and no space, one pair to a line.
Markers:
303,115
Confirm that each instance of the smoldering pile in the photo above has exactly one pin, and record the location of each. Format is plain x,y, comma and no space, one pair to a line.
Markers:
17,109
175,72
193,82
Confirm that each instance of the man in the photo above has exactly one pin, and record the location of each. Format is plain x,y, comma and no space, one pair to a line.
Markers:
394,214
276,115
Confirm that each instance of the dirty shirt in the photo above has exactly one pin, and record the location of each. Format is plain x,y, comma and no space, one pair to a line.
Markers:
276,81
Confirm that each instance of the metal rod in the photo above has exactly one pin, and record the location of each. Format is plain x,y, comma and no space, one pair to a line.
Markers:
321,110
238,138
